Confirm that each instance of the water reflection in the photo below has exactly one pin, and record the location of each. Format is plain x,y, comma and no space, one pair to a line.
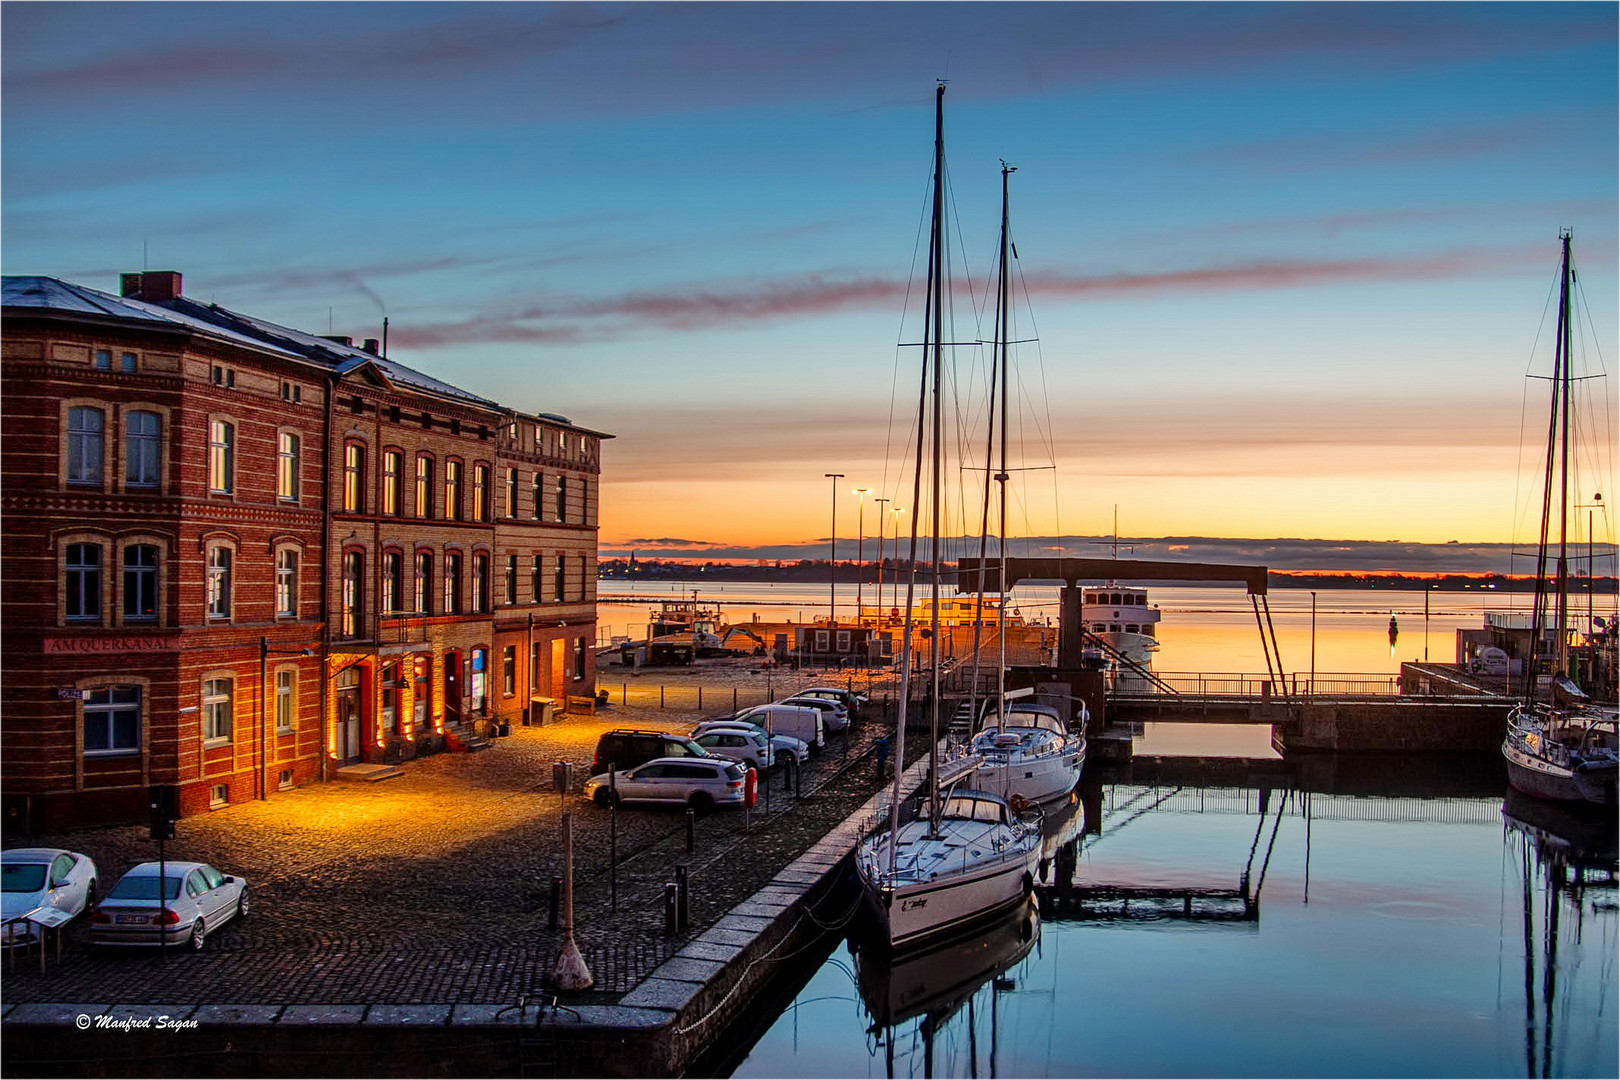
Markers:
1232,919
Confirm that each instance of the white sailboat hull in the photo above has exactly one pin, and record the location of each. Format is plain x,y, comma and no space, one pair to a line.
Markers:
1034,778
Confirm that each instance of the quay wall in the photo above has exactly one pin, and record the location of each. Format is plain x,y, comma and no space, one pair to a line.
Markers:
1414,724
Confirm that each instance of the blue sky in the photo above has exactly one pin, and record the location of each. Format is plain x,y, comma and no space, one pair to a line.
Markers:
1287,263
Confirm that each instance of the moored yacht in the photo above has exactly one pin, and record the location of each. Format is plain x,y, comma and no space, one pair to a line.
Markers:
1028,752
1120,617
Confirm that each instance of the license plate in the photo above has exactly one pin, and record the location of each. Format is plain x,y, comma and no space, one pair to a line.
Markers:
132,918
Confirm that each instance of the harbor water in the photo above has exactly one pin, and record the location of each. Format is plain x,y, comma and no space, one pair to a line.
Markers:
1352,917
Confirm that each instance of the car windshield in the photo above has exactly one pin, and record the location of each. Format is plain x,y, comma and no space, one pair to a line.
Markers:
144,888
22,877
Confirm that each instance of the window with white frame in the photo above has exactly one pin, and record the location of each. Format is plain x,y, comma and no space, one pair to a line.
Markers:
288,447
539,495
353,592
218,711
143,449
82,583
112,720
452,490
393,462
562,498
219,582
558,574
422,584
424,487
537,576
452,584
509,670
286,582
140,582
511,493
480,492
392,579
86,427
286,700
221,457
354,478
480,582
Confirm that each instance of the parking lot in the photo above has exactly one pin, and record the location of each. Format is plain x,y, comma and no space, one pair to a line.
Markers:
435,887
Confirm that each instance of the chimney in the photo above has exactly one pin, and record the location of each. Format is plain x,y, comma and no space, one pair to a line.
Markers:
371,346
153,286
341,339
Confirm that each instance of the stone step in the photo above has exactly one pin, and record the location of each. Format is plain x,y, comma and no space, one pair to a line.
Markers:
369,773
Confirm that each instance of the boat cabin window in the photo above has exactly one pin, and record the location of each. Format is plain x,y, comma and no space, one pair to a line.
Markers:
1147,628
1114,627
971,808
1099,628
1033,718
1131,628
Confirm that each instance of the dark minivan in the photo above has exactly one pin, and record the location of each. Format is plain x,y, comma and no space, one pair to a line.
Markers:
624,748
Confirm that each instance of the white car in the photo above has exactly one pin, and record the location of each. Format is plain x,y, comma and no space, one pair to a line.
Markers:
834,715
196,901
737,744
33,878
851,700
700,783
783,747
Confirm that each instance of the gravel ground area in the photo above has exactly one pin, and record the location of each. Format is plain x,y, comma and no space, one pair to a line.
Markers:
435,887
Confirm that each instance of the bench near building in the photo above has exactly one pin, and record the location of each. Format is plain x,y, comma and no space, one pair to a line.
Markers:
239,557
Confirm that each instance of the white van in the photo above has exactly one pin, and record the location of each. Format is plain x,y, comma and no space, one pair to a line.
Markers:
799,721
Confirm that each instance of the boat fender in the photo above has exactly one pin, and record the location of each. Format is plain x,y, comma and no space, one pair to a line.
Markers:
1029,885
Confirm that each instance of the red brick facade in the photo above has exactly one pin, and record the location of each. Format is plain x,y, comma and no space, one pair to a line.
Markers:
211,552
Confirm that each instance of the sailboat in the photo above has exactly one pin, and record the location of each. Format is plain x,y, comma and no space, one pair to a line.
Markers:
1026,751
969,856
1563,746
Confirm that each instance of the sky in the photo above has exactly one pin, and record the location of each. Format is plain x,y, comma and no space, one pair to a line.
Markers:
1282,269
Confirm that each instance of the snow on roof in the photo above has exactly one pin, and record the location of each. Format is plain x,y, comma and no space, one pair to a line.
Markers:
53,294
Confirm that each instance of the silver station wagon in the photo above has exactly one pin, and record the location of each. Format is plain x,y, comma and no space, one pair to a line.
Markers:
196,900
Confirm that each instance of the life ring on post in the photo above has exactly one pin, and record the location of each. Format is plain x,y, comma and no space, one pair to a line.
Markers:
751,788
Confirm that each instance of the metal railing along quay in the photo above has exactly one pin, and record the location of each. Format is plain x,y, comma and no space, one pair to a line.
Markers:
1260,687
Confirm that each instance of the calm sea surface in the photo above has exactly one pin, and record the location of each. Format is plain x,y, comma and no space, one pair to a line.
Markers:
1410,917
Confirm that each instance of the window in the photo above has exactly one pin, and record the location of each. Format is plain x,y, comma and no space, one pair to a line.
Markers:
224,376
452,490
536,575
539,494
557,574
424,487
286,700
217,711
143,448
218,795
127,362
219,582
392,572
352,599
354,478
83,584
534,668
452,584
392,463
390,697
103,360
509,670
420,691
511,579
480,492
562,498
579,658
511,493
480,583
422,584
287,466
112,720
286,582
221,456
140,582
292,392
84,445
475,681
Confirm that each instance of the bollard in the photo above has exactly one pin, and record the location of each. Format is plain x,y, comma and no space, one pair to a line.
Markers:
556,899
669,907
691,830
700,699
681,897
660,695
624,693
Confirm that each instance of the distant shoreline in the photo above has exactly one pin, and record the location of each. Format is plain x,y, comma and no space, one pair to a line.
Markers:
618,570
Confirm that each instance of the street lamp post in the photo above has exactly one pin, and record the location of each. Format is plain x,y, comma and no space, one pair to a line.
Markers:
832,555
879,620
896,511
860,547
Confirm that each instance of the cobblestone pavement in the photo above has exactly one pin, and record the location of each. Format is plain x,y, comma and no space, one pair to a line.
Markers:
435,887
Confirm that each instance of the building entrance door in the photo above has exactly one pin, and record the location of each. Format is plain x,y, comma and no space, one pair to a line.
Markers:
559,669
348,717
452,688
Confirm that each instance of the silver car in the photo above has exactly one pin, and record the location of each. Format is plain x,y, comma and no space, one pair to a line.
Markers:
784,748
196,900
701,783
35,878
834,715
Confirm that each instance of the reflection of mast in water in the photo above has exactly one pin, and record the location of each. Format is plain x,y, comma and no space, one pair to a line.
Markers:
1568,855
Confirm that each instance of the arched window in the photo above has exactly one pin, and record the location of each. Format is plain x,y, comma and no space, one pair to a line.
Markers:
562,498
219,582
288,447
480,582
393,462
85,444
354,478
143,449
424,486
221,457
511,493
393,573
452,490
352,608
452,583
286,583
480,492
422,583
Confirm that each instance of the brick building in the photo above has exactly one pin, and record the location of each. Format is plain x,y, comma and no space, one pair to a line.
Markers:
238,557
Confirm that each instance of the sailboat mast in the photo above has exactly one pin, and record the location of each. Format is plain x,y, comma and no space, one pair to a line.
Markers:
1003,336
938,259
1564,390
1556,469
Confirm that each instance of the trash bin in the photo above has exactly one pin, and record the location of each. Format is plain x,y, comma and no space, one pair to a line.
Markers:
542,711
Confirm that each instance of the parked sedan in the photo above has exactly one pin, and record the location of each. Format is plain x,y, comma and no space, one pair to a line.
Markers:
737,744
851,700
32,878
196,900
784,748
834,715
701,783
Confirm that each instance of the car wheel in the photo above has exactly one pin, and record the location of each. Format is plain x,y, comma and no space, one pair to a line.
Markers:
242,905
90,894
782,759
198,937
701,802
602,797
